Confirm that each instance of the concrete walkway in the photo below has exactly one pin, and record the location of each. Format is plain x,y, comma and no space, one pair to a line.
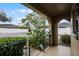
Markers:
57,51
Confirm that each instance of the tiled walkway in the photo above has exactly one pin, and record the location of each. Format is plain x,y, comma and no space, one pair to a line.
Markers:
57,51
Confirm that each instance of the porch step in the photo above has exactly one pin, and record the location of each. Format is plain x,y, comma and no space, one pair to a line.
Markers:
35,53
39,53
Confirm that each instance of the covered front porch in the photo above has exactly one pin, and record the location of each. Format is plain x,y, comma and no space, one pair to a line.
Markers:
54,13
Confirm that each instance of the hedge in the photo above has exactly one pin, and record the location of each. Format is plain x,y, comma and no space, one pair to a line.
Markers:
65,40
12,46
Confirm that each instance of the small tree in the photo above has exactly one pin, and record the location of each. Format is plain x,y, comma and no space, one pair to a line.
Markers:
4,17
36,25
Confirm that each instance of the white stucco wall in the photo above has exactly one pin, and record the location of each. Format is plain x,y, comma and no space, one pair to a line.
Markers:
11,30
62,31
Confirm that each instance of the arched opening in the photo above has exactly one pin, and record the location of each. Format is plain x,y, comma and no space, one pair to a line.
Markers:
38,34
29,25
64,33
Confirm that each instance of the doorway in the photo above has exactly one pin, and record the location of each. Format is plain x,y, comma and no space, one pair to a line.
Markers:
64,33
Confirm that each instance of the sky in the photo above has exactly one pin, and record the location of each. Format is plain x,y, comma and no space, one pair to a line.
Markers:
64,20
16,11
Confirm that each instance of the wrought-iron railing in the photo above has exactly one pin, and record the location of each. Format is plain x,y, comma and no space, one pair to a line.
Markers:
12,49
32,51
19,48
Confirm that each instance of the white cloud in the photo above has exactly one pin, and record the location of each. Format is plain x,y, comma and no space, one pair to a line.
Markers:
19,18
13,11
24,11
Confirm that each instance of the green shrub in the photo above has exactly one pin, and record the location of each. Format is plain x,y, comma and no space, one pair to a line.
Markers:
37,39
65,39
12,46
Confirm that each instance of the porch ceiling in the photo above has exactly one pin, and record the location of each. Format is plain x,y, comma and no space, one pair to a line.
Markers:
52,9
57,9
